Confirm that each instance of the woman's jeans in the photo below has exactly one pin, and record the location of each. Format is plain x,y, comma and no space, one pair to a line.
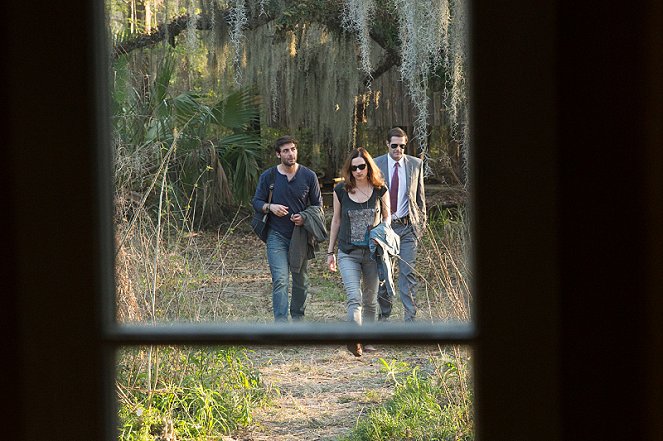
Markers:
357,267
277,256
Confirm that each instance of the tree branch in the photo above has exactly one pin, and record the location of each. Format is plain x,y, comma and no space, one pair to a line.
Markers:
379,34
170,31
174,28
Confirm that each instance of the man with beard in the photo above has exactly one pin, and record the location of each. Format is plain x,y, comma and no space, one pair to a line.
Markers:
295,188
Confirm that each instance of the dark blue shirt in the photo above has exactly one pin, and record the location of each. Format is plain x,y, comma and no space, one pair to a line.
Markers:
297,194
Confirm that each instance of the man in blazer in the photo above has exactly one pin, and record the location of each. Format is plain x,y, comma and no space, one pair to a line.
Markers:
404,175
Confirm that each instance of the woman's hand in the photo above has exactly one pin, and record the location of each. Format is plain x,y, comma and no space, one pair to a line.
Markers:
331,262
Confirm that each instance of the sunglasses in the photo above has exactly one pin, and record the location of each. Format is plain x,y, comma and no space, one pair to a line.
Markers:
358,167
394,146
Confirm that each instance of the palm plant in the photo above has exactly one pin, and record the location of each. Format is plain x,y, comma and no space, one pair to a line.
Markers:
202,157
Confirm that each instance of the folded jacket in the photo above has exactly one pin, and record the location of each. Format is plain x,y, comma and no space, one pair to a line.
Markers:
384,244
305,238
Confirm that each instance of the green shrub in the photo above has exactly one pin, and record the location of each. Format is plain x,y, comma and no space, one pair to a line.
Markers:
186,394
424,407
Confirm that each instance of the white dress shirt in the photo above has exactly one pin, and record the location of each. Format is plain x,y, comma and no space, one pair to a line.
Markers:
402,187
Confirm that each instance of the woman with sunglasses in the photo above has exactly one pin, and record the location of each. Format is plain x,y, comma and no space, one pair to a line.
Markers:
361,202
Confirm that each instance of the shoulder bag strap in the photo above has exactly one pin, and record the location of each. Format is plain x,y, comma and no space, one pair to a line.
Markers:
271,190
271,185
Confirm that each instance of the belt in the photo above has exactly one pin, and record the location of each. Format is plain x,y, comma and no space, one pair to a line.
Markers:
405,220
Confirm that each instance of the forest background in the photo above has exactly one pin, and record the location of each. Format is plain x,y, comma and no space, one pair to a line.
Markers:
219,81
199,92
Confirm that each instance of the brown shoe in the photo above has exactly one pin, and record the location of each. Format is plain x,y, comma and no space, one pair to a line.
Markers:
355,349
369,348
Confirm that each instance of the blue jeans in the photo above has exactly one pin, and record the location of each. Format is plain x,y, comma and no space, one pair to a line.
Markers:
277,256
357,267
407,282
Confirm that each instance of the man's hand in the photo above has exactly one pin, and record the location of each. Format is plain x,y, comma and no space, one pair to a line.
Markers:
278,210
297,219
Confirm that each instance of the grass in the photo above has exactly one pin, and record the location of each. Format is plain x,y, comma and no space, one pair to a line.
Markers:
424,407
194,394
443,267
434,405
327,287
188,394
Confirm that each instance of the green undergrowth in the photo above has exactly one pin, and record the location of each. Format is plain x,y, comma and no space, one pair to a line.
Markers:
186,394
434,406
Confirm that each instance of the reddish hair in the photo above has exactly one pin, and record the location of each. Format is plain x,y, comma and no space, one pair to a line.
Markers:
374,175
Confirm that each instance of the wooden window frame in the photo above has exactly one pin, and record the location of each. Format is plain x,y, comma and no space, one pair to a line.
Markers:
567,338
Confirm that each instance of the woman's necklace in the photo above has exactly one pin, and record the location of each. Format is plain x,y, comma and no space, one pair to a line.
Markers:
368,195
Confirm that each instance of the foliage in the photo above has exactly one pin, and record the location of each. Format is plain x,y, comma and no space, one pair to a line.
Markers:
194,284
178,277
187,147
424,407
357,16
198,394
238,21
444,267
205,155
295,51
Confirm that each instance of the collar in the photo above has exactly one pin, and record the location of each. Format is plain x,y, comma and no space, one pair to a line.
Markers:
391,162
279,168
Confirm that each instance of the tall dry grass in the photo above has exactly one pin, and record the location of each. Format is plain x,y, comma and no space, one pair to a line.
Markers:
168,273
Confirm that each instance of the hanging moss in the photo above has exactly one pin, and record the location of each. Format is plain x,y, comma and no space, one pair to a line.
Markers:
238,20
357,18
308,81
458,101
310,61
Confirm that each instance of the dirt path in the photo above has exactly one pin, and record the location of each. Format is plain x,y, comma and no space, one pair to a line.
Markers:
321,390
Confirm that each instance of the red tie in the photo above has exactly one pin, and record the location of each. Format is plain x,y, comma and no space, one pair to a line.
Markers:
393,190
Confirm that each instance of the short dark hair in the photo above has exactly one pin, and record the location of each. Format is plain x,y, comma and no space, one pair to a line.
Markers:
396,131
286,139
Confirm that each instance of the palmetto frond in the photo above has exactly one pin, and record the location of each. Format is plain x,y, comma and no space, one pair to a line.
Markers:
215,152
238,110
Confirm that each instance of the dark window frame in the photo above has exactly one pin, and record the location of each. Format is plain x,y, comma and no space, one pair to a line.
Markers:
547,351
